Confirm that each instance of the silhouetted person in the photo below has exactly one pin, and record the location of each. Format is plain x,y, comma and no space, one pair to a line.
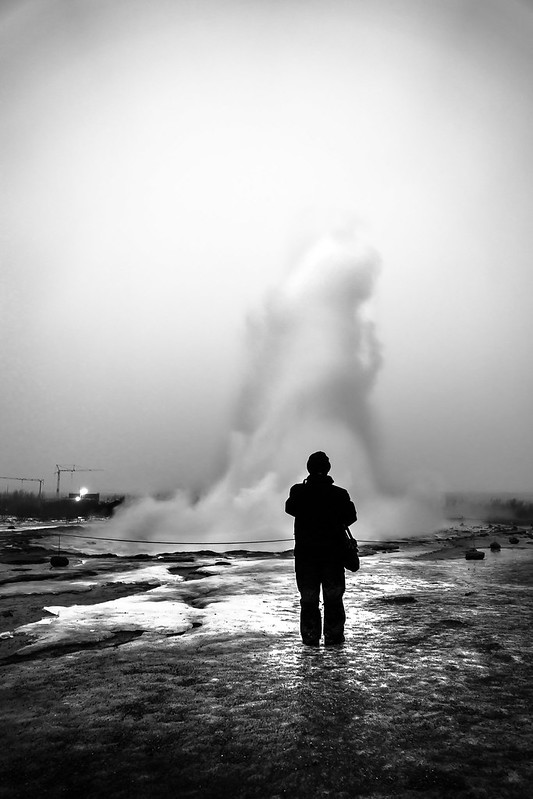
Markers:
321,513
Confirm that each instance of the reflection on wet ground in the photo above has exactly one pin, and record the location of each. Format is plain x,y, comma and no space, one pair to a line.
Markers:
202,681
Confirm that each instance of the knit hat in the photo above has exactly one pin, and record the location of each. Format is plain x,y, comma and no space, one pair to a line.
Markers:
318,463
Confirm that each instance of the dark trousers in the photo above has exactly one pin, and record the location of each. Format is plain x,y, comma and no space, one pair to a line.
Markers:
311,574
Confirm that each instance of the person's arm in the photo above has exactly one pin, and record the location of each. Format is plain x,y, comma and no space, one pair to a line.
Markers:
350,513
292,504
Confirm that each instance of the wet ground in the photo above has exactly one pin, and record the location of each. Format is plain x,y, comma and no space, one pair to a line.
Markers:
184,675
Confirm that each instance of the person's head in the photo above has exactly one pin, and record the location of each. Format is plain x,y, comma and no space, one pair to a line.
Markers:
318,463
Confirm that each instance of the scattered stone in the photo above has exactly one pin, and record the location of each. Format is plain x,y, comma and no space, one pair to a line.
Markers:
474,554
59,560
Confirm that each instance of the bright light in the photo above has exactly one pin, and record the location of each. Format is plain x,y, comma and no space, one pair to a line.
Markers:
77,499
83,491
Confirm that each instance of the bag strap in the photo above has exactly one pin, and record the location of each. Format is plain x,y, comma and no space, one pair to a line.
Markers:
349,534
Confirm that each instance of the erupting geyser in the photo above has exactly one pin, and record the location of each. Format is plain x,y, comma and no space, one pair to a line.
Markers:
311,362
313,357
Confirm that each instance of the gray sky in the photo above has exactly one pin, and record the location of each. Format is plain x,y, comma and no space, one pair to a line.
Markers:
161,164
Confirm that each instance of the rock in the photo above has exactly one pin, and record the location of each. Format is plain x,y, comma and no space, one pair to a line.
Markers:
58,560
495,546
514,540
474,554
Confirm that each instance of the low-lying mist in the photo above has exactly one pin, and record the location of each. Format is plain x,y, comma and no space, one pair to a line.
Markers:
312,358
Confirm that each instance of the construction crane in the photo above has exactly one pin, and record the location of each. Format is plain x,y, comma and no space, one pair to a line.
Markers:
28,480
71,469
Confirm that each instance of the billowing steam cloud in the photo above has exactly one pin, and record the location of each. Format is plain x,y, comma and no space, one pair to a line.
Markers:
312,360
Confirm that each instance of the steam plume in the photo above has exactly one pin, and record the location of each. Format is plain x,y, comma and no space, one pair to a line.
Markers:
312,360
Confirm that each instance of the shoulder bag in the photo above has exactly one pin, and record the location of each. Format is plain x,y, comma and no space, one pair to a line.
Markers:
351,552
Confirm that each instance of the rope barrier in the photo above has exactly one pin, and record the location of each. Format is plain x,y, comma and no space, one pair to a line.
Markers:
50,531
187,543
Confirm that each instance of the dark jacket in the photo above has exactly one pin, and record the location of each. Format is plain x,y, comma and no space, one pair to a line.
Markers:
321,513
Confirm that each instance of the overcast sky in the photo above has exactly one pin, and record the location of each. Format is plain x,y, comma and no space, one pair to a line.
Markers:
162,163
